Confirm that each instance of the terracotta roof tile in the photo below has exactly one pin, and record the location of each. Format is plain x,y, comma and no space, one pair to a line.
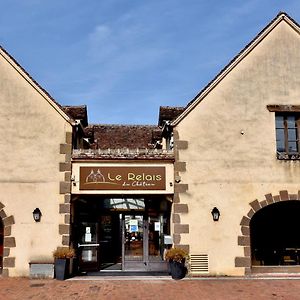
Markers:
169,113
77,113
123,136
123,154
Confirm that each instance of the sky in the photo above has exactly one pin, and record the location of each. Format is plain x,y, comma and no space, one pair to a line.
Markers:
126,58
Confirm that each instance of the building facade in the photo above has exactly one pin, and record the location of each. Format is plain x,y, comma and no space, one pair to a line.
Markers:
122,192
35,169
245,163
120,195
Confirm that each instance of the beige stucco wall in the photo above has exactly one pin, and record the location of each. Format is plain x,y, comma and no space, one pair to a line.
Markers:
32,131
227,169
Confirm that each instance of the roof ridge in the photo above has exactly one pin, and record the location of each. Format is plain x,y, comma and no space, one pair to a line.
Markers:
81,105
171,106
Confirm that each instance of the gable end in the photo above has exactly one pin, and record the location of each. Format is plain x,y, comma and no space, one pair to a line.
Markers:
282,16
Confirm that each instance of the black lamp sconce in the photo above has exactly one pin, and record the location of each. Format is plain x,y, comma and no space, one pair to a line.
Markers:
215,214
37,215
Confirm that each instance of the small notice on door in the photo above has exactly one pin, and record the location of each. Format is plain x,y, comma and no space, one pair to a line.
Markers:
156,226
133,225
133,222
134,228
88,237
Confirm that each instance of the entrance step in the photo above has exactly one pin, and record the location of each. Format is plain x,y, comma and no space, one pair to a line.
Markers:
126,273
257,270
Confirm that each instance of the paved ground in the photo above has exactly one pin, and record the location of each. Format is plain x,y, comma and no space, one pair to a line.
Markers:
148,288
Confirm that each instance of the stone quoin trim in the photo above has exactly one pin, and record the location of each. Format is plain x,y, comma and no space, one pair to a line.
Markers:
179,188
244,239
8,241
65,189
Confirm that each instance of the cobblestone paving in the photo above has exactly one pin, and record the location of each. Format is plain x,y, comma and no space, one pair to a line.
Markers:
240,289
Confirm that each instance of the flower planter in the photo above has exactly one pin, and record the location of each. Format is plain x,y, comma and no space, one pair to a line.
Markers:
176,258
61,268
177,269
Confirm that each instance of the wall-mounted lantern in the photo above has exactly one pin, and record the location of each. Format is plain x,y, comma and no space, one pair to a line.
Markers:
37,215
215,214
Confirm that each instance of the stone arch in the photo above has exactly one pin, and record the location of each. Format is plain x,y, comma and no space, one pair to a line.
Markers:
244,238
8,241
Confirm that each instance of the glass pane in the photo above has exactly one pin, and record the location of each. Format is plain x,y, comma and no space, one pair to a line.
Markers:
110,243
134,237
279,122
89,254
292,135
292,147
280,140
155,228
291,122
124,203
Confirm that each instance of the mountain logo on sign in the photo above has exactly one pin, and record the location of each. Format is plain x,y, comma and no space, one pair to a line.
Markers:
95,177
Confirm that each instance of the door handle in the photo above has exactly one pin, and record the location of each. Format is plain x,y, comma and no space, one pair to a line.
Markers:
87,245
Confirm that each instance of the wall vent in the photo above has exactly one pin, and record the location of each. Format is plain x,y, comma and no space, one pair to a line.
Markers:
199,263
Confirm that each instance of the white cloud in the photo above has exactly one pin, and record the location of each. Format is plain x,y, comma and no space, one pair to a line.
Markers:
100,33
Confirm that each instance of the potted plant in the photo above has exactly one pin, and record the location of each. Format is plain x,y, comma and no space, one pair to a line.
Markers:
62,257
176,258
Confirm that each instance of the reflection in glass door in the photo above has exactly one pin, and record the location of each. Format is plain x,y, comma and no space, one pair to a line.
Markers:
134,237
110,242
155,237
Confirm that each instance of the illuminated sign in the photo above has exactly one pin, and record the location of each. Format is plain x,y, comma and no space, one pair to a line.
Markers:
122,178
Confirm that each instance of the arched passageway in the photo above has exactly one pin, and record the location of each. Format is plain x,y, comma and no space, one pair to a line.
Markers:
275,234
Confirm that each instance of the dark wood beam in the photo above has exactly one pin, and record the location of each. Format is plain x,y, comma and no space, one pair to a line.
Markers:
283,108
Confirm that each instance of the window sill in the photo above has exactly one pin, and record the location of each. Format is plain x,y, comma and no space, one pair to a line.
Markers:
286,156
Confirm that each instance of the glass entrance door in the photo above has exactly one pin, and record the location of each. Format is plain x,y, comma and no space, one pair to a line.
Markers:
135,237
124,235
143,243
88,246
